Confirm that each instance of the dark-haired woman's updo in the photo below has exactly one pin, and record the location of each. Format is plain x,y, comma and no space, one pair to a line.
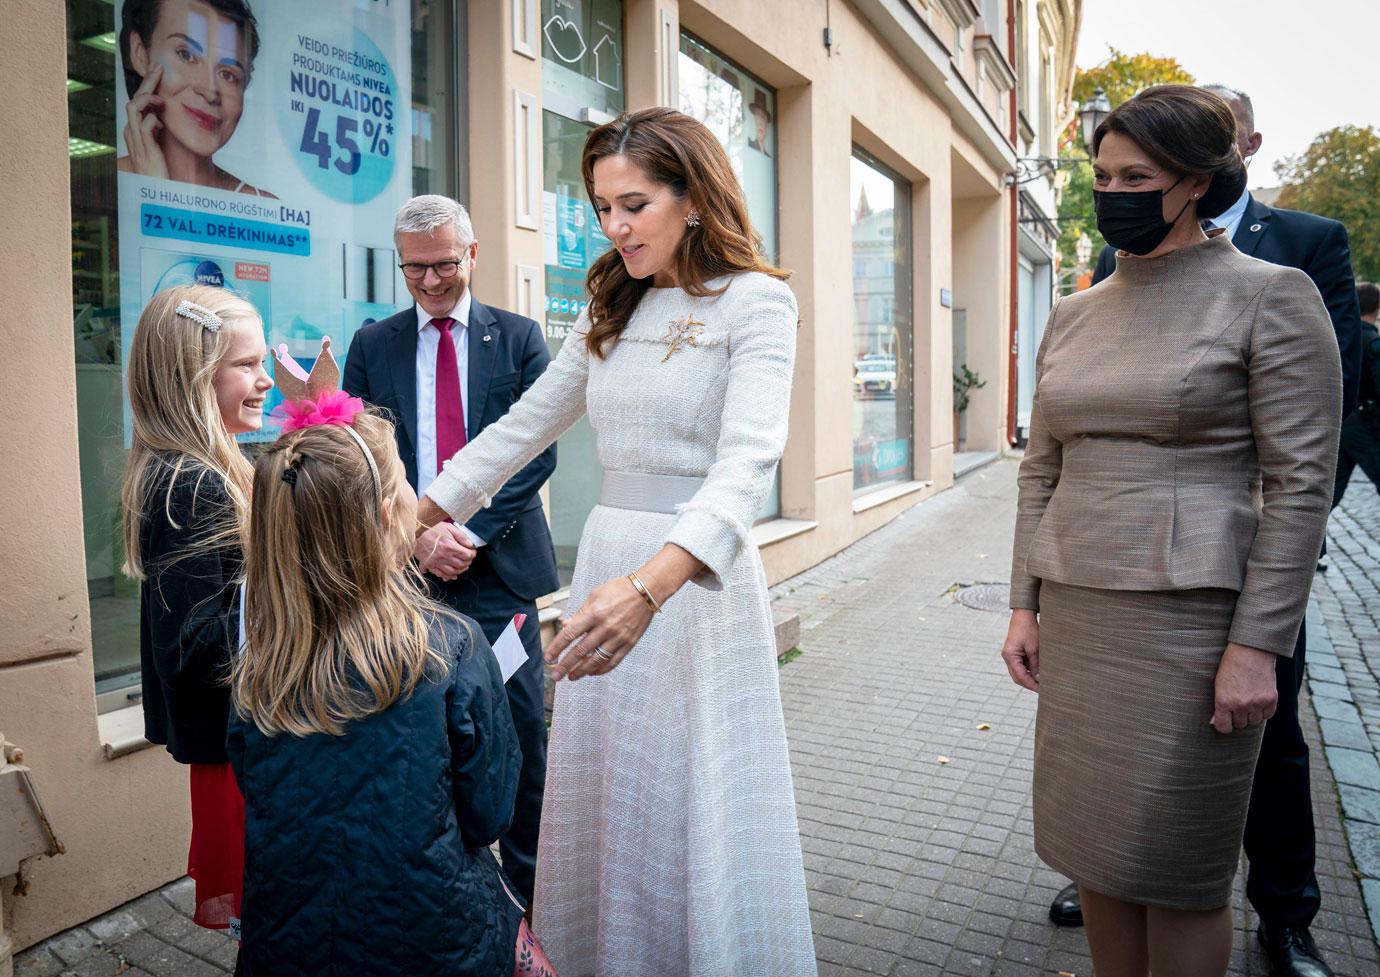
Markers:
1187,130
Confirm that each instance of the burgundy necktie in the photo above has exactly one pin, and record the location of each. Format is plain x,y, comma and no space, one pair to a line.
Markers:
450,406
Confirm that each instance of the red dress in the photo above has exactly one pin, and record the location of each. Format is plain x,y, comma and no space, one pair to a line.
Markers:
216,857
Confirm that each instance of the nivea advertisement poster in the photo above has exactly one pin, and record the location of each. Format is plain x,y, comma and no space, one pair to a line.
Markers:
267,154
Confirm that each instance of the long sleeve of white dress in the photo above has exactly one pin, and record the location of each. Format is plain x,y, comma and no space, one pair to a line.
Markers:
717,521
468,481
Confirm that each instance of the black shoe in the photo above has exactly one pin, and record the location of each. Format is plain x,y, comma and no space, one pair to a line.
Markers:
1322,567
1067,909
1292,952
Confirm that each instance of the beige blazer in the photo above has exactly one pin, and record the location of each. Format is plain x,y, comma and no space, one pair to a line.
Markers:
1184,434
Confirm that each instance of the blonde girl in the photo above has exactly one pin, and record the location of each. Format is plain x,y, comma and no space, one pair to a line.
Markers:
371,736
196,379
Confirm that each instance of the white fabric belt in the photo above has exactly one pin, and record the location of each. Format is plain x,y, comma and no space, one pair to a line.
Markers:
647,493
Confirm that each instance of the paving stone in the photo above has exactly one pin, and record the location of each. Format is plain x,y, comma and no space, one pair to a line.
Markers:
114,926
181,895
37,962
1358,767
73,946
1338,709
1359,803
1324,674
1371,889
103,963
1349,734
1365,848
1329,690
161,959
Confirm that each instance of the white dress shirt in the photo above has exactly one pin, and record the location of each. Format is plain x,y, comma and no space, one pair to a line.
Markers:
428,343
1229,218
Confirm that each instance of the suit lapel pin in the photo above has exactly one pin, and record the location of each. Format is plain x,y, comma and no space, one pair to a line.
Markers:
1255,228
487,337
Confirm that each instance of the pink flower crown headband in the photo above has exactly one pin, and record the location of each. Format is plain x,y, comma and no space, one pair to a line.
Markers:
310,399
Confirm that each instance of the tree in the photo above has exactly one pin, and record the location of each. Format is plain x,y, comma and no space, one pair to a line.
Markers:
1338,176
1120,76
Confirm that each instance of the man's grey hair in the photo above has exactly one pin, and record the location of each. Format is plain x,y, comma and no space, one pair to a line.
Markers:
1234,93
429,213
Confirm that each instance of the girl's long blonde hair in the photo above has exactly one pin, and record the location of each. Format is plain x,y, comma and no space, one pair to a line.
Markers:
336,621
177,423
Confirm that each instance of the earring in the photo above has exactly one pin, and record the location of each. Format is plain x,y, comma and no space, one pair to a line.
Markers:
1195,196
692,219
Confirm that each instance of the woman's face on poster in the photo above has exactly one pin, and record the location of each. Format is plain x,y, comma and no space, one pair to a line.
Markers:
205,65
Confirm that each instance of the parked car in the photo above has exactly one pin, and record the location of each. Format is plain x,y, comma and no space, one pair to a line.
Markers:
874,376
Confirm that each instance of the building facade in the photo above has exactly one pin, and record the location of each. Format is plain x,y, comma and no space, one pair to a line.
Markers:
873,137
1046,38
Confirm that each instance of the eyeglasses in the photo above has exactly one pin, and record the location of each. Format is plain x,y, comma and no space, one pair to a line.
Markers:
416,271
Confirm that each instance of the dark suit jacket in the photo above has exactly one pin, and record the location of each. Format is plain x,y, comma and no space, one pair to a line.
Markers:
1316,246
507,353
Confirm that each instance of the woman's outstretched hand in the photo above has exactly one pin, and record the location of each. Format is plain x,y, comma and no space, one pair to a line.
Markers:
615,616
1021,652
613,619
142,125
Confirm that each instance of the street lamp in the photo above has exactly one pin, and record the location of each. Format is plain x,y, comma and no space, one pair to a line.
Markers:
1083,252
1090,115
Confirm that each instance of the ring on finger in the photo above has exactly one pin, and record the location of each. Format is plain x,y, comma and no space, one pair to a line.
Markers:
603,654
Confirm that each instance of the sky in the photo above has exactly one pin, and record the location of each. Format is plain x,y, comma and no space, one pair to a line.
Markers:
1308,66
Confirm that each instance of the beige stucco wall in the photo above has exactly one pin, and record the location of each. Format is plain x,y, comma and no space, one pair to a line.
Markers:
124,822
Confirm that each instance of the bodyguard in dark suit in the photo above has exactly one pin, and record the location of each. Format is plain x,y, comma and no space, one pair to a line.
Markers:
446,368
1279,841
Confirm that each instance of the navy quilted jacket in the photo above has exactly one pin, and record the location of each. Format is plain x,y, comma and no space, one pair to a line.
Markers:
368,853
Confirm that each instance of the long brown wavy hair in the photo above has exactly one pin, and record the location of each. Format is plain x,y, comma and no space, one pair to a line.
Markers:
678,152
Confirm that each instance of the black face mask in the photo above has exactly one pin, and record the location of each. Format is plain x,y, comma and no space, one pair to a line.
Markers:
1134,221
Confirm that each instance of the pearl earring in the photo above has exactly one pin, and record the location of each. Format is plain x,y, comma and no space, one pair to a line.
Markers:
692,219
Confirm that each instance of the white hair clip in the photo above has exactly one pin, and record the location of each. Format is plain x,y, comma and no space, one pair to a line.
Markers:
199,314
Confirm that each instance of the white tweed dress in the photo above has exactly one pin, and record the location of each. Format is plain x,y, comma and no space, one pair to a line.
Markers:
669,843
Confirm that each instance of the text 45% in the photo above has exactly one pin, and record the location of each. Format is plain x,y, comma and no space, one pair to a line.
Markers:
317,142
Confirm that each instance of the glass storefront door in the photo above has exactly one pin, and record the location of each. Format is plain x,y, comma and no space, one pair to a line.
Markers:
883,389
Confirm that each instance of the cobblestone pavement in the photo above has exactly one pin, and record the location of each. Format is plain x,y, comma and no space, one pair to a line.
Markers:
915,819
921,866
1345,677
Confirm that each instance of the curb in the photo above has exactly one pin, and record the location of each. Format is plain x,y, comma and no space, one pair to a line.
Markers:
1351,756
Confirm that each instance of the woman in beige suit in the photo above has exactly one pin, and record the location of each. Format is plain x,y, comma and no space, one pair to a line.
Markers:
1173,499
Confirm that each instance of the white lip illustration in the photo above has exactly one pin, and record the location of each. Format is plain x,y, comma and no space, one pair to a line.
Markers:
565,39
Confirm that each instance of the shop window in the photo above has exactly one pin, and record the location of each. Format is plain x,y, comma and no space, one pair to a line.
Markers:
883,389
582,80
274,172
740,110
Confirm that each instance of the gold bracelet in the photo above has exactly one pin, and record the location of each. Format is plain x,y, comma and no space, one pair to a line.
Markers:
641,588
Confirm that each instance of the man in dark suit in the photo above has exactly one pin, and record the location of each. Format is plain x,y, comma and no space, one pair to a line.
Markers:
446,368
1361,431
1279,842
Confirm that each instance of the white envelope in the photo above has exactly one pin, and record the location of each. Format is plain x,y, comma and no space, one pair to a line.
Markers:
509,649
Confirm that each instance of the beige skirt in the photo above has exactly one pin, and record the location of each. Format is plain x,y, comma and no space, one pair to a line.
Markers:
1136,795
